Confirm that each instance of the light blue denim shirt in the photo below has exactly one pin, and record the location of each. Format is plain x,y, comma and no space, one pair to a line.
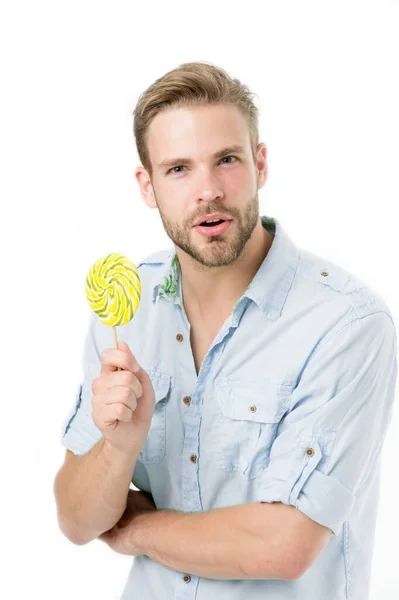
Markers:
291,404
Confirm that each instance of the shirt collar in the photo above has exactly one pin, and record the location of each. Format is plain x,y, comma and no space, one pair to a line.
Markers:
269,287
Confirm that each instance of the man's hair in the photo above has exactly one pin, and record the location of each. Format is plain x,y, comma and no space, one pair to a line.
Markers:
192,84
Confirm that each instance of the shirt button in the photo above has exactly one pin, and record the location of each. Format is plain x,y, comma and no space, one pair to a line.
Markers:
186,578
193,458
310,452
324,273
179,337
253,408
186,399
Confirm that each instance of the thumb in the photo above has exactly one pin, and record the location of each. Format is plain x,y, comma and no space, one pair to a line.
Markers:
137,370
123,346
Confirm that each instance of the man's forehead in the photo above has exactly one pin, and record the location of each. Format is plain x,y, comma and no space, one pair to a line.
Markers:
180,132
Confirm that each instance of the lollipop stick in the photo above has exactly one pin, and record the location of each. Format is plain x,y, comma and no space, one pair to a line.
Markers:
116,344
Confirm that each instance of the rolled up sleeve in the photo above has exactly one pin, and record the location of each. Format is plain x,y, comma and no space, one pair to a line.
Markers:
79,432
332,436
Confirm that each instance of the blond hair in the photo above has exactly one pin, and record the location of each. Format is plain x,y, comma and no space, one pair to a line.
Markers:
192,83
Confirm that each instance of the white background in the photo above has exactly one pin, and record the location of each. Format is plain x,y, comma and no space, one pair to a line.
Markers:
326,77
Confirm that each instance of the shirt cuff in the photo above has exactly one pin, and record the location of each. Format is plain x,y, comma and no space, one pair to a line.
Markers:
321,497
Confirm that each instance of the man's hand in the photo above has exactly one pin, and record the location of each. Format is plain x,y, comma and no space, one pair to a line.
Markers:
120,537
123,401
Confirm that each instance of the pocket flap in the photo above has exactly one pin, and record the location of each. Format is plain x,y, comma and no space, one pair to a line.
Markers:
260,400
160,383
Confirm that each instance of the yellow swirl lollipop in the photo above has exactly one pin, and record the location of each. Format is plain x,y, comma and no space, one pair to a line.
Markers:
113,290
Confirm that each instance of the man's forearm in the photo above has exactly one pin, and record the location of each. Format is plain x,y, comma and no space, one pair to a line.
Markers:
91,492
225,543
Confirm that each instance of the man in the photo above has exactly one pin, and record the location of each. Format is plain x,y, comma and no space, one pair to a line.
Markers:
257,385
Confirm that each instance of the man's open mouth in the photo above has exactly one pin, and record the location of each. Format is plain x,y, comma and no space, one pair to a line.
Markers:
211,223
213,228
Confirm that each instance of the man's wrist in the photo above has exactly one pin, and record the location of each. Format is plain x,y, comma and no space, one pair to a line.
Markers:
148,522
139,530
114,454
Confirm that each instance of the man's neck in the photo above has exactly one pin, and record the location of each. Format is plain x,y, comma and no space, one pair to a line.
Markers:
215,290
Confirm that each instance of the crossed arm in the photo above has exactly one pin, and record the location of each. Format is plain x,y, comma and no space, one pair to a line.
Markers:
248,541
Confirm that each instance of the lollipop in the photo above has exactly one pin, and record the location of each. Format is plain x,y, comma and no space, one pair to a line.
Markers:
113,290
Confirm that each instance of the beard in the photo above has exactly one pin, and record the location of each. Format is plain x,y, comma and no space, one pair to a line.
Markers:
217,250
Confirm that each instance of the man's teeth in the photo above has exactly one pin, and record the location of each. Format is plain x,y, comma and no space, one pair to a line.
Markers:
214,221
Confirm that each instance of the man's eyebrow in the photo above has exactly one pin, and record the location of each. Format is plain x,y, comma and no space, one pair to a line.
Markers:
171,162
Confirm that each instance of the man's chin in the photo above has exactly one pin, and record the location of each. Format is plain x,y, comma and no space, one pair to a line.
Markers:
212,259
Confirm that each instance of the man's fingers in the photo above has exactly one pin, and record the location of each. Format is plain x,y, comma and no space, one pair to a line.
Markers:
117,410
118,395
116,379
126,379
113,358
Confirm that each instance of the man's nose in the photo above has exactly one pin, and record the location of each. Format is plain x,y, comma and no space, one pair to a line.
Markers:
209,187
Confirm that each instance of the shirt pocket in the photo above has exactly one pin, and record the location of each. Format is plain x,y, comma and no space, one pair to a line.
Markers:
249,413
154,448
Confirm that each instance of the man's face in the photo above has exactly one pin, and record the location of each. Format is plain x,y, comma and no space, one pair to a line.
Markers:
187,190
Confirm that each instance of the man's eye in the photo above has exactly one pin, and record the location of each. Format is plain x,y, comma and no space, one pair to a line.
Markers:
173,171
229,163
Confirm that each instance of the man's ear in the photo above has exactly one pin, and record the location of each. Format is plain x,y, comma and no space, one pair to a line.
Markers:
261,164
146,190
